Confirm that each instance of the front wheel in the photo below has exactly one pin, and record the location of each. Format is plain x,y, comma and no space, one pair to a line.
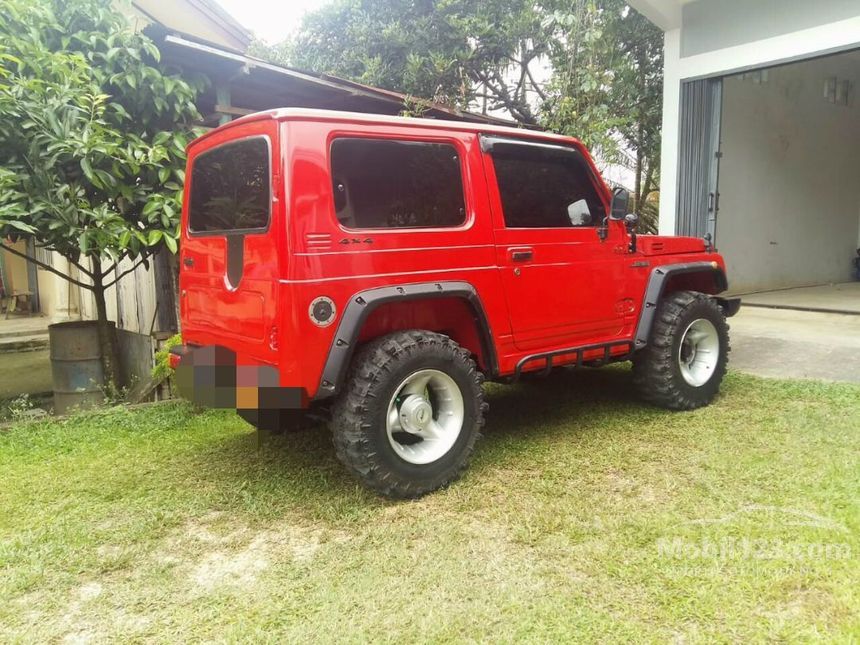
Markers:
410,413
685,360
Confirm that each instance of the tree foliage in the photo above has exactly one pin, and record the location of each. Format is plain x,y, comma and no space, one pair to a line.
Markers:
92,139
432,49
587,68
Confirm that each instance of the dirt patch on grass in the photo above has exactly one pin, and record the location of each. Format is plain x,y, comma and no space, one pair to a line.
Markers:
219,555
234,568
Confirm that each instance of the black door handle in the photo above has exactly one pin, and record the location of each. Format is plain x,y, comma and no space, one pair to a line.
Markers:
189,262
521,256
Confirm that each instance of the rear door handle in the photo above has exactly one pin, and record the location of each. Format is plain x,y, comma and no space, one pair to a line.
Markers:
189,262
521,255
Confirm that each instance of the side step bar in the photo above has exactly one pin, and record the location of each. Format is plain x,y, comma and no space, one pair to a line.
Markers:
579,351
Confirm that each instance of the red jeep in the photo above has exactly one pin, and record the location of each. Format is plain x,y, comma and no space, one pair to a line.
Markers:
377,269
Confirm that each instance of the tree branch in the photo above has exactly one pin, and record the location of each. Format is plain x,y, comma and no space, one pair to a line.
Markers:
124,273
648,184
502,95
536,87
80,267
47,267
106,272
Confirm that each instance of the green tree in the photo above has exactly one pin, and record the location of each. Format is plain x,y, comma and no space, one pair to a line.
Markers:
92,143
449,51
638,99
607,89
586,68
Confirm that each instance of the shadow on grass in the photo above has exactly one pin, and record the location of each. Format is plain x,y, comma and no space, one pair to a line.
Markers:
300,470
565,396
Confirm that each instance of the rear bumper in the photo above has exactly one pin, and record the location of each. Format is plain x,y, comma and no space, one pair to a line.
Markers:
177,353
212,377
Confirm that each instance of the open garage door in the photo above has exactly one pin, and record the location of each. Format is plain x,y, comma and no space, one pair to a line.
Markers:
789,176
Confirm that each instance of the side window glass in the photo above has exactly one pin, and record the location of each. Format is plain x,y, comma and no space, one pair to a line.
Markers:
230,188
542,188
383,183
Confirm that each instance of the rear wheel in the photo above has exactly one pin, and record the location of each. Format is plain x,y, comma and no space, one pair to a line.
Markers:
410,413
685,360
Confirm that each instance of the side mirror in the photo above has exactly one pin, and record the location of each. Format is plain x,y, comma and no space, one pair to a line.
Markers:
620,204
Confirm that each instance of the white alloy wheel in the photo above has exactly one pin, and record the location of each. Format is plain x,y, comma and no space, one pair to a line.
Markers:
699,352
425,416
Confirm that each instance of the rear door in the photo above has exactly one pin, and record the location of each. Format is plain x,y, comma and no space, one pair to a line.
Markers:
229,259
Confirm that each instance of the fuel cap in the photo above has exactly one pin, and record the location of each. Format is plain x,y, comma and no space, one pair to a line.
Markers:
322,311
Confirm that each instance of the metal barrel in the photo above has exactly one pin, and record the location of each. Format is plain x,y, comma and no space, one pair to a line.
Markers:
76,365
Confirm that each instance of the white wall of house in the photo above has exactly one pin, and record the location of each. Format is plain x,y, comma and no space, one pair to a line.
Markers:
16,269
790,177
132,303
59,299
712,38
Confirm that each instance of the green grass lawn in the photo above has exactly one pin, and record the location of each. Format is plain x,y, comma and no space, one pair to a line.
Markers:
585,515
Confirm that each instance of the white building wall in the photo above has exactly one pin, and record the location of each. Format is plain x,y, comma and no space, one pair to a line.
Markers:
59,299
670,144
713,38
831,38
789,177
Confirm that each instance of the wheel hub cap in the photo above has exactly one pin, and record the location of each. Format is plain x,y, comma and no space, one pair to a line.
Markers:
699,352
425,416
415,414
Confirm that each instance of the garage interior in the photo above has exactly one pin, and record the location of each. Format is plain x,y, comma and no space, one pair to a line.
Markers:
787,216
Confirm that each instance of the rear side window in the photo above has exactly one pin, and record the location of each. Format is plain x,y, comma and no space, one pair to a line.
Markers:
230,188
546,188
381,183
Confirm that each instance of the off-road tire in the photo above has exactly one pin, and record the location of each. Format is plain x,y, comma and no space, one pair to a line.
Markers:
359,414
656,368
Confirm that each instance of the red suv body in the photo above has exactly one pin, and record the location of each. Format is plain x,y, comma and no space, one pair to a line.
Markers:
308,234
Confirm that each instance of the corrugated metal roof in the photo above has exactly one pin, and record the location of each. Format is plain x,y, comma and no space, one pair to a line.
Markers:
394,101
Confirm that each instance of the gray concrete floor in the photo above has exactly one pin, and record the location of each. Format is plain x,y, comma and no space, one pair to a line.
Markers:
24,373
23,326
835,298
23,333
796,344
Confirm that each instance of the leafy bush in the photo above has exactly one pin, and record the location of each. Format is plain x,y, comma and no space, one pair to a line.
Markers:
162,369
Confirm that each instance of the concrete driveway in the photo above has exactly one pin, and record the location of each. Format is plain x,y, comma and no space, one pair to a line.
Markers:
796,344
843,298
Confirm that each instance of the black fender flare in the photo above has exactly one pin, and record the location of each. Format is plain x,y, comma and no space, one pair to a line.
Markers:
657,285
363,303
